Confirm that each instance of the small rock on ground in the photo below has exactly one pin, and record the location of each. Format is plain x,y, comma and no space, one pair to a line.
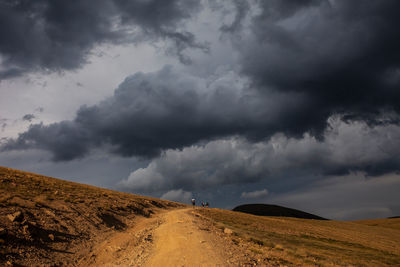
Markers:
228,231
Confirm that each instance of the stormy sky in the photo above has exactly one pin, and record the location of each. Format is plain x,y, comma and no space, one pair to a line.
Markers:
294,103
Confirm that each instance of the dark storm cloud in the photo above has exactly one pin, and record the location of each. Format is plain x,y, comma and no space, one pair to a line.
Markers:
152,112
52,35
342,56
66,140
306,61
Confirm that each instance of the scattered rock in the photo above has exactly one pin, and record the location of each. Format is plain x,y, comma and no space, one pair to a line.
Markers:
149,238
16,216
51,236
228,231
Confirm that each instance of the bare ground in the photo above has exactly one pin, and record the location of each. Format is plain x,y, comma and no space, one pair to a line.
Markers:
180,242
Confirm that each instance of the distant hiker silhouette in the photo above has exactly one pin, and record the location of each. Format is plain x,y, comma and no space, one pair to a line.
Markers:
206,204
193,202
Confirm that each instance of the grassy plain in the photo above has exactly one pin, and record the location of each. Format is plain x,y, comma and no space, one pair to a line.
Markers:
299,242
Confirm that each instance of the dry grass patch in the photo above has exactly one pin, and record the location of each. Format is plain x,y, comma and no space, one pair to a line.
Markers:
392,223
312,242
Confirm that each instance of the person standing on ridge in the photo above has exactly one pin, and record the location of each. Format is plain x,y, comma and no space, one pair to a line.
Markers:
193,202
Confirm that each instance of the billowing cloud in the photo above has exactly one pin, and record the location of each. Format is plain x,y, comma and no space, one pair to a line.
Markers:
167,109
346,148
198,167
254,194
48,35
178,196
301,64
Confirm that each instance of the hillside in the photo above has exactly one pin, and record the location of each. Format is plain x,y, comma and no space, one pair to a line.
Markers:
277,241
275,210
44,220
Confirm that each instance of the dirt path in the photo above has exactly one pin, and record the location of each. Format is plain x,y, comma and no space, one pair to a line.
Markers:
180,242
173,238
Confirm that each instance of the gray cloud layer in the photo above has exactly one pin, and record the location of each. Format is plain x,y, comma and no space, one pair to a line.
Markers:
305,61
166,109
54,35
347,148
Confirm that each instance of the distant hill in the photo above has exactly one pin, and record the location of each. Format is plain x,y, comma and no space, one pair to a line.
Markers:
275,210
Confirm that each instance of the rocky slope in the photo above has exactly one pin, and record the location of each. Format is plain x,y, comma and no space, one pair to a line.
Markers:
51,222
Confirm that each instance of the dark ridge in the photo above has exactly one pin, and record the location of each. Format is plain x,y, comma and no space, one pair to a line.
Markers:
275,210
394,217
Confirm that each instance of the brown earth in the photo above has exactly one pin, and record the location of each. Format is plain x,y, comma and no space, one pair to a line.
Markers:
180,242
49,222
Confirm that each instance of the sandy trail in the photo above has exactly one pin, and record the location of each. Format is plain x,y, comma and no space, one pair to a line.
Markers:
179,242
173,238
